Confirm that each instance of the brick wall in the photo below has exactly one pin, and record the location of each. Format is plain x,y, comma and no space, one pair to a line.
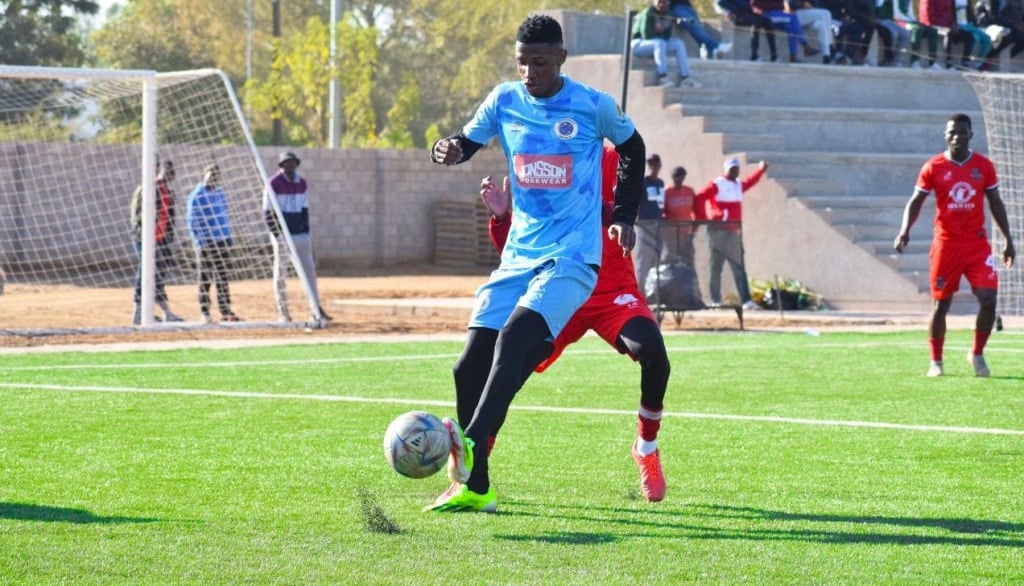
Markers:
374,208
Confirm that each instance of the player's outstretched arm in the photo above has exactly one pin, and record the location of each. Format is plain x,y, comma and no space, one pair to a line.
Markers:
998,209
910,214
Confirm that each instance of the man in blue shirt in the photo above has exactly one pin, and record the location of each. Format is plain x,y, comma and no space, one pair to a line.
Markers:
209,226
552,131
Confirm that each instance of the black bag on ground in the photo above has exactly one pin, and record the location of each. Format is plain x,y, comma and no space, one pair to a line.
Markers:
673,287
790,300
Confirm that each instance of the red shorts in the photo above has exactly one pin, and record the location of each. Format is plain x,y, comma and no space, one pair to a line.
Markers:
951,260
605,314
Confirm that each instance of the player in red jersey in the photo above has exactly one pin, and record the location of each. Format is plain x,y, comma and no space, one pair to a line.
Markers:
617,312
960,246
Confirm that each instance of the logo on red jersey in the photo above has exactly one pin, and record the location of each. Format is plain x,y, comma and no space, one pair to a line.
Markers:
626,299
960,195
544,171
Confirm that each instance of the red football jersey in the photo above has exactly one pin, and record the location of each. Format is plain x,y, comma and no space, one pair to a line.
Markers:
959,194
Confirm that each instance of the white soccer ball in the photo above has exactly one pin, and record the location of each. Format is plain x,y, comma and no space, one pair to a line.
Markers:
416,444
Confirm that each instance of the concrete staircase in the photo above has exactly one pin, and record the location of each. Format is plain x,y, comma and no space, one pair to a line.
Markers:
844,146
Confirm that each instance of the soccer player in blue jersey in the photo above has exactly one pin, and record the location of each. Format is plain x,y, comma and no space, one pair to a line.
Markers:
552,130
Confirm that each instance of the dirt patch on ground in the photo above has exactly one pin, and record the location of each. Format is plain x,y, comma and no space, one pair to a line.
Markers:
58,315
51,311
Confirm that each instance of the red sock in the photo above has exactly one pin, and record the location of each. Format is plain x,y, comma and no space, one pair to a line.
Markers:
936,347
648,423
980,339
490,443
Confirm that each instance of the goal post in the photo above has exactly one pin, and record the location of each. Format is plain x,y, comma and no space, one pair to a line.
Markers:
74,146
1002,104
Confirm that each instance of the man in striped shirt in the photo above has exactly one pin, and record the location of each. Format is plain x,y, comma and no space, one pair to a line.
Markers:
292,195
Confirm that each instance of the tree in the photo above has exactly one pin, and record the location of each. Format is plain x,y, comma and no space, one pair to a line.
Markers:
409,69
42,32
404,110
144,35
293,90
359,47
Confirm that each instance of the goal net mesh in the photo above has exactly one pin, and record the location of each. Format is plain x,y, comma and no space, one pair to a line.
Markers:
1002,103
70,159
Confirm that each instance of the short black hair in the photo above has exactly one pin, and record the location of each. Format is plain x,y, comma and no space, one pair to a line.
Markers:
539,28
961,117
678,171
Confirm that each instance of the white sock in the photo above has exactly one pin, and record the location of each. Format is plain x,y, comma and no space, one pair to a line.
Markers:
646,448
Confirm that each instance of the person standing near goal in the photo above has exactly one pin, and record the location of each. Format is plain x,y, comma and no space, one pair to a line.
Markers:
552,131
292,195
164,237
960,245
209,226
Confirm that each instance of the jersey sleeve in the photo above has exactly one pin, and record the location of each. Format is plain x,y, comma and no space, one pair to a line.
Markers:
991,178
924,179
484,125
612,122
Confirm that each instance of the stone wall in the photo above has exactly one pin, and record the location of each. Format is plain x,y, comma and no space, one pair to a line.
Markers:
374,208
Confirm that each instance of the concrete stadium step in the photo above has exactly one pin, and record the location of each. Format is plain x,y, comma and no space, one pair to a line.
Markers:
867,232
821,85
884,247
739,142
862,173
867,214
887,202
814,187
832,130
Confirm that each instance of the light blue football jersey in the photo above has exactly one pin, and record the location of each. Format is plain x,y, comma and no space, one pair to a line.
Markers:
553,146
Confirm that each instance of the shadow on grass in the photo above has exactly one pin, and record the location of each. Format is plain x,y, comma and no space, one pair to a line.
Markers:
26,512
970,526
564,537
746,523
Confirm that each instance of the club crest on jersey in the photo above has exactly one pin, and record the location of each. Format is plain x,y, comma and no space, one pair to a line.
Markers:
566,129
960,196
626,299
976,174
544,171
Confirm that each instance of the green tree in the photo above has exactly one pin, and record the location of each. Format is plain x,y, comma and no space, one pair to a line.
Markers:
358,45
42,32
404,110
145,35
451,52
294,90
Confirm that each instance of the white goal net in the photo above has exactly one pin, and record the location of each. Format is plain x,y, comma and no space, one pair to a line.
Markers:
75,144
1002,103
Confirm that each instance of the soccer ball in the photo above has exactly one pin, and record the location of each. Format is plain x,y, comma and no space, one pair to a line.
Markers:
416,444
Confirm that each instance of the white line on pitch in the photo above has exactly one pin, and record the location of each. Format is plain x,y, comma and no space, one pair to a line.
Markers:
535,408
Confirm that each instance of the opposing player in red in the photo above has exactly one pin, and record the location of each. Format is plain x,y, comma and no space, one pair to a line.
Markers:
617,312
960,246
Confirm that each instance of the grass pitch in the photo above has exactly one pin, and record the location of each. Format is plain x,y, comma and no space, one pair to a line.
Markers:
790,459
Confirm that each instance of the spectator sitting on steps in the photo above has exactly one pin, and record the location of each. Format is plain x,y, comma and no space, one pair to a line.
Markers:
739,13
775,10
817,19
652,37
903,14
688,20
